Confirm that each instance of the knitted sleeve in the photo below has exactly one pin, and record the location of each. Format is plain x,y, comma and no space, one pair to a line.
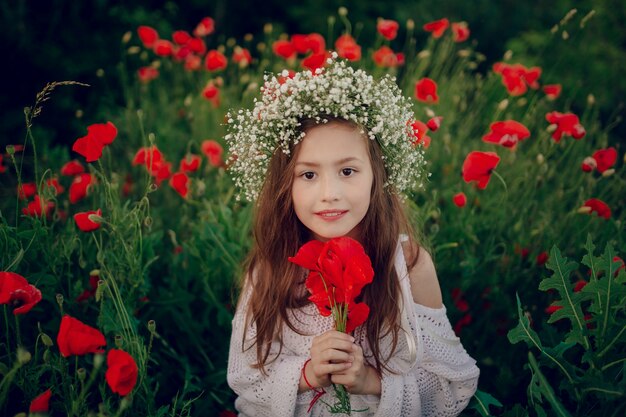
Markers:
443,380
271,395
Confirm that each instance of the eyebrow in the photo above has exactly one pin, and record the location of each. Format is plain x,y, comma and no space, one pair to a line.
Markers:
339,162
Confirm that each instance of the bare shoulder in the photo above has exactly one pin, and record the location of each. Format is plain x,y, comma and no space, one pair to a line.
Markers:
423,276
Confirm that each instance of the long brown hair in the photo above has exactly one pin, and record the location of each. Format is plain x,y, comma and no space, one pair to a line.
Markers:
278,234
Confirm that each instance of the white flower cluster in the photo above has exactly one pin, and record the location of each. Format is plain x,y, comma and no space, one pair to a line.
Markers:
338,91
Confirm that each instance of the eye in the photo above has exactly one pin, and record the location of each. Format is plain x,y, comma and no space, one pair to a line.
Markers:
308,175
347,172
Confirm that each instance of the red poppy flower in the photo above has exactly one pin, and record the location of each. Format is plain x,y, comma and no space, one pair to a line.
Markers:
213,151
212,93
2,167
605,158
599,207
54,183
242,56
91,291
40,404
459,199
621,266
148,156
579,285
437,27
104,133
283,48
542,258
86,224
460,32
180,183
215,60
512,77
434,123
506,133
163,47
531,77
426,91
147,35
387,28
196,45
182,53
205,27
347,48
18,293
190,163
121,375
147,74
566,124
181,37
553,91
26,190
192,62
71,168
98,136
478,167
553,308
161,172
299,43
357,315
459,301
77,338
462,322
80,186
315,61
419,131
315,43
38,207
385,57
589,164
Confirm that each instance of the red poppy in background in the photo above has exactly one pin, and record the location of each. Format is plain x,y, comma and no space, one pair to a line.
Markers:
426,91
190,163
553,91
161,172
599,207
387,28
385,57
77,338
18,293
180,183
434,123
459,199
459,300
80,186
147,74
506,133
38,207
241,56
605,158
531,76
215,60
2,167
192,62
542,258
419,131
437,27
196,45
517,78
553,308
579,285
299,43
622,265
316,43
460,32
104,133
121,375
72,167
462,322
148,156
566,124
284,48
181,37
347,48
26,190
478,167
163,48
40,404
54,183
205,27
91,291
147,35
84,223
315,61
213,151
98,136
212,93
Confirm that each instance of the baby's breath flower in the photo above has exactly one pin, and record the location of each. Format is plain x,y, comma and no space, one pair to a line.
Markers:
339,91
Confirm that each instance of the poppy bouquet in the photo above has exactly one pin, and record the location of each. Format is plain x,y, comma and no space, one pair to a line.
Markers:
338,271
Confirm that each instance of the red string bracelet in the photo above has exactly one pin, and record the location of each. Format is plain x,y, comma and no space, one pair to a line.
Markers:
318,393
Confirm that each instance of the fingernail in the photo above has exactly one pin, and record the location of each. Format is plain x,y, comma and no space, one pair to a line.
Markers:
352,338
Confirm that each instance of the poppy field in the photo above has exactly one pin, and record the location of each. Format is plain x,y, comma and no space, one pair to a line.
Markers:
120,254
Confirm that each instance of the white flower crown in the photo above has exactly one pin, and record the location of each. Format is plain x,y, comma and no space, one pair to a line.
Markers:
338,91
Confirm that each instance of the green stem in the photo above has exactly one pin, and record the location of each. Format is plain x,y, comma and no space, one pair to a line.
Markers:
608,365
17,330
547,390
6,323
615,339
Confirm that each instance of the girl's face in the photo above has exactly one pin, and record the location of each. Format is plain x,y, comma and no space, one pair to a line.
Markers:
332,181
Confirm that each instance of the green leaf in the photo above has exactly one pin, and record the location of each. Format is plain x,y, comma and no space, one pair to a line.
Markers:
523,332
570,301
482,401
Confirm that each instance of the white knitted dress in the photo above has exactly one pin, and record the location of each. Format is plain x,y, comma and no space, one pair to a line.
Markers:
440,382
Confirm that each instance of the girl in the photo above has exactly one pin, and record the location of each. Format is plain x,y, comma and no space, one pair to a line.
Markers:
328,155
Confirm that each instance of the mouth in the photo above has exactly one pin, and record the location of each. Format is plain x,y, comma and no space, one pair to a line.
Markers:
331,214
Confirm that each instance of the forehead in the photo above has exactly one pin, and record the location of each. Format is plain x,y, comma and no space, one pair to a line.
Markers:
332,142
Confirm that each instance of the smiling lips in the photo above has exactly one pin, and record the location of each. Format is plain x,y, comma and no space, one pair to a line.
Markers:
330,215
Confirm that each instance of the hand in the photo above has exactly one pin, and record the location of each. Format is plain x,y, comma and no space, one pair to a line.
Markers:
359,378
331,352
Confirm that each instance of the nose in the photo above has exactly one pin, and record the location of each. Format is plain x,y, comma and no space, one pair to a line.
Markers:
330,188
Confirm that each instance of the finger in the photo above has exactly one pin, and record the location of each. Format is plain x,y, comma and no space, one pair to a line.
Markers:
331,368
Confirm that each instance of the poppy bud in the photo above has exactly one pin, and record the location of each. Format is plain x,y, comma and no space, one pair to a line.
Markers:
23,356
59,298
81,373
268,28
152,326
591,99
540,159
46,340
410,24
584,210
608,172
10,150
342,11
46,356
126,37
119,341
125,403
98,360
503,104
565,35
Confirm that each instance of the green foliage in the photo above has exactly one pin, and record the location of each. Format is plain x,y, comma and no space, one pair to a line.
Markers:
584,373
